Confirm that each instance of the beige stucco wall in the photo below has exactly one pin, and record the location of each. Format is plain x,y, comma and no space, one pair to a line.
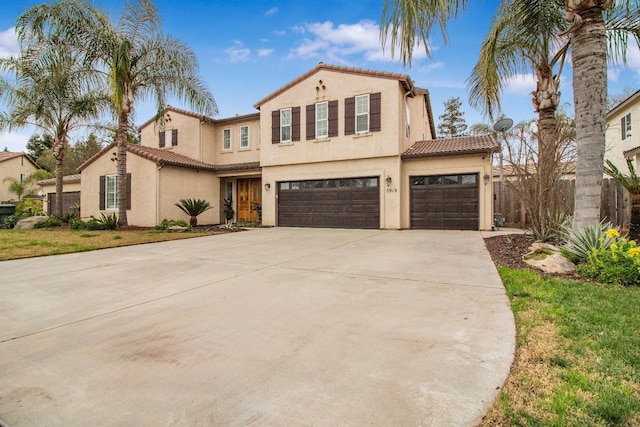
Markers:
235,155
464,164
180,183
378,167
13,168
154,191
615,146
188,135
337,86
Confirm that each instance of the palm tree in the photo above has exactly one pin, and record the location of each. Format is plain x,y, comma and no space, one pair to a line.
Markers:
408,22
53,91
140,63
193,208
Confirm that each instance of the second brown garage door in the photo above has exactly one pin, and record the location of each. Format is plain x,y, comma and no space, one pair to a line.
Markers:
331,203
445,202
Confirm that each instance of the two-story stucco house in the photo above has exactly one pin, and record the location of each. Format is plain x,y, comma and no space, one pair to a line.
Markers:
14,165
623,133
336,147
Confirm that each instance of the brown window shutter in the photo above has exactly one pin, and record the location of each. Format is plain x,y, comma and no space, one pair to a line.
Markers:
350,116
275,127
161,144
128,207
311,121
295,124
375,106
174,137
102,192
333,118
623,128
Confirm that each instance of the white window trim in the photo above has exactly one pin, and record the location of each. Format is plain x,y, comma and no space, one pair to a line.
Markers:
363,114
224,148
244,147
324,120
407,131
107,179
285,125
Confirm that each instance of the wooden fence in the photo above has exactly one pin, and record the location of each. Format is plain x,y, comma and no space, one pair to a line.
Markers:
615,206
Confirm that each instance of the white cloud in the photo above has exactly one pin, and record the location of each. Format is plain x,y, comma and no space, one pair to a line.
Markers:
521,84
265,52
280,33
271,11
633,57
14,141
238,53
8,43
336,43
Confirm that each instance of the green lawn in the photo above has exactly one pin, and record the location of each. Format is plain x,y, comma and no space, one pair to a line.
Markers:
16,244
578,354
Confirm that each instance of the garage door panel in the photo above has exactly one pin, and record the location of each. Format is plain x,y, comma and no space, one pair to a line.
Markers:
335,203
449,202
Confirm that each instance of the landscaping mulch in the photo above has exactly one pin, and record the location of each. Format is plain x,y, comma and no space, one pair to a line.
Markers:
507,250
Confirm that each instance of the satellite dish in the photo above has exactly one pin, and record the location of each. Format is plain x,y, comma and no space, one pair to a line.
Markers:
503,125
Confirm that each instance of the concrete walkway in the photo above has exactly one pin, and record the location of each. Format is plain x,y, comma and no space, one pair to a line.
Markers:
274,327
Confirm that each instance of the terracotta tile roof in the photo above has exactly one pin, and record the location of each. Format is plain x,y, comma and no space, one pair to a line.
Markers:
67,179
238,118
238,167
568,168
403,78
631,152
160,157
179,111
6,155
452,146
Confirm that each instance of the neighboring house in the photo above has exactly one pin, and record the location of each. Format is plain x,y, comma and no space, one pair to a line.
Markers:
14,165
70,196
623,132
336,147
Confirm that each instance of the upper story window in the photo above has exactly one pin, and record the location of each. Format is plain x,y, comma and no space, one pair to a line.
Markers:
23,177
362,113
625,126
285,125
168,138
244,137
226,139
322,120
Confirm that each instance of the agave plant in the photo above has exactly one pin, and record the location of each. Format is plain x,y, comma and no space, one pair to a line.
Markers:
582,241
193,208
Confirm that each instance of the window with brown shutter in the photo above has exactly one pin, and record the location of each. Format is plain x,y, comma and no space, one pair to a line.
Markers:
375,106
350,116
333,118
103,192
103,195
275,127
174,137
161,137
295,124
311,121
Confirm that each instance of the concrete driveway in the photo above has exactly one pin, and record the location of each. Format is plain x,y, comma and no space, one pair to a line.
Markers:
268,327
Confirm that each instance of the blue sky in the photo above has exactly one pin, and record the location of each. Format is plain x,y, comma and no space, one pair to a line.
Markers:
247,49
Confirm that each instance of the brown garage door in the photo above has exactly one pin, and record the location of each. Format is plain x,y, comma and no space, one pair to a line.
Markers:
445,202
70,202
331,203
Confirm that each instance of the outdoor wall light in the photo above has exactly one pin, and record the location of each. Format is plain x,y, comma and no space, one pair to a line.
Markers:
388,180
486,178
267,186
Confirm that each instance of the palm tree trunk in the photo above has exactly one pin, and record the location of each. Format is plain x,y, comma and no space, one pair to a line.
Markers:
58,155
589,57
121,138
545,173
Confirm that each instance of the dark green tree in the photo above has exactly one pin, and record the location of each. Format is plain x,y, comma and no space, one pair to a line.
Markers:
37,144
452,121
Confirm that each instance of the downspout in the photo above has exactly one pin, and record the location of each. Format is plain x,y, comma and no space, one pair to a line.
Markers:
158,193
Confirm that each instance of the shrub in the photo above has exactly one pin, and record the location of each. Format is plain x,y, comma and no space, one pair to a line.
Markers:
77,224
52,221
10,221
105,222
29,207
166,223
94,223
193,208
618,263
582,241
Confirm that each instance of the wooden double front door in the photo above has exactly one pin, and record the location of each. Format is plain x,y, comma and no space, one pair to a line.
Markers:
249,199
